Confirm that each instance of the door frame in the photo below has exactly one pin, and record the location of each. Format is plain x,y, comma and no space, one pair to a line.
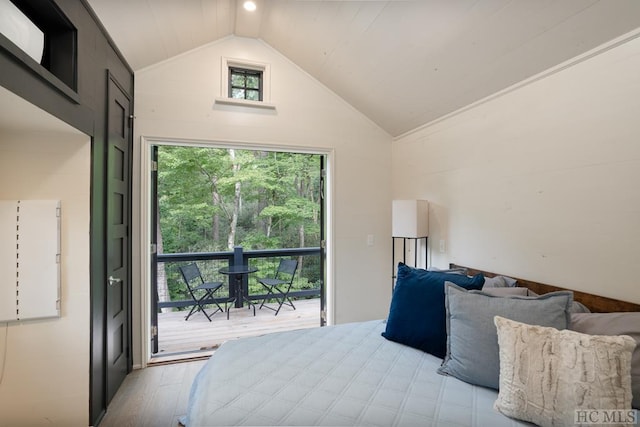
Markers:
144,237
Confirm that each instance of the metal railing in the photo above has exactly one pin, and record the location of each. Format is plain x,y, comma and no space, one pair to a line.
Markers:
306,281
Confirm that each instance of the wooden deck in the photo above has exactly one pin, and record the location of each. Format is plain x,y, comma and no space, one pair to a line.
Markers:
177,336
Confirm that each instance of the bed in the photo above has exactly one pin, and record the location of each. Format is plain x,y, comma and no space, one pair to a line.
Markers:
344,375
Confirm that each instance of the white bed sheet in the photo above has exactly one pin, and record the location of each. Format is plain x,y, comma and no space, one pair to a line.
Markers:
344,375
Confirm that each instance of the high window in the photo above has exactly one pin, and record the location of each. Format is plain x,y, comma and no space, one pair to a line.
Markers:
245,84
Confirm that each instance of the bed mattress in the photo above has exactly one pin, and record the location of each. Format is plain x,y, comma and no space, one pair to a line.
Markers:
344,375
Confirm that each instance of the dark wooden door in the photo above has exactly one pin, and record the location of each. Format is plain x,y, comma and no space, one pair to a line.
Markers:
118,354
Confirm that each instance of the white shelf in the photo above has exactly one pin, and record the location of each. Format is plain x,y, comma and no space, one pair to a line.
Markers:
246,103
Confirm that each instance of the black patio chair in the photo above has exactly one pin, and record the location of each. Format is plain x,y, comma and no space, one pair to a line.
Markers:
278,287
197,286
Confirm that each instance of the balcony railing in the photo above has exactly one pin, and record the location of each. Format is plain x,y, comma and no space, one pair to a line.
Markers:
306,283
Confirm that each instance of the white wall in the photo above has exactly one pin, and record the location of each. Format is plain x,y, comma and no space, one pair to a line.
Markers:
175,99
542,182
44,364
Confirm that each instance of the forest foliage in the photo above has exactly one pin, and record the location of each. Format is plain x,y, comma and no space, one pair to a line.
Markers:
213,199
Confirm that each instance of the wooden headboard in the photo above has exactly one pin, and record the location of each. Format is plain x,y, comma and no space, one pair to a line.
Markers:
595,303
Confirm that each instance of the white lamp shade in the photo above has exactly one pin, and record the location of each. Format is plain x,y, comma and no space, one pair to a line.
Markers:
410,218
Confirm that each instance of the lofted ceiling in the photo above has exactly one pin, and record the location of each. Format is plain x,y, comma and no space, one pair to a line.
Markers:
402,63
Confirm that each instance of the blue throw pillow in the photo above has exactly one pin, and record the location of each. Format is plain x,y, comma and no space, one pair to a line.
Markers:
417,314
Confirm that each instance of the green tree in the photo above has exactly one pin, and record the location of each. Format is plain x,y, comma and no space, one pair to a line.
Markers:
212,199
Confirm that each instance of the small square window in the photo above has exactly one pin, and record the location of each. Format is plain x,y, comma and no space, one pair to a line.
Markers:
245,84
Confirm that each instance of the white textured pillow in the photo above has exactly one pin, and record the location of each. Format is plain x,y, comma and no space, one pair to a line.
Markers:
627,323
546,374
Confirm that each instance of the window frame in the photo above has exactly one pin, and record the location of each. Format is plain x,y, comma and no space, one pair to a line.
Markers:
224,97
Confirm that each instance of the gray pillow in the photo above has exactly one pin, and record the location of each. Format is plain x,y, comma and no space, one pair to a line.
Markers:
614,324
457,270
579,307
472,339
499,282
505,292
576,307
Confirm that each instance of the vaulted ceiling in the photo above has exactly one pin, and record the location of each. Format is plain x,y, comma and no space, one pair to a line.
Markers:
402,63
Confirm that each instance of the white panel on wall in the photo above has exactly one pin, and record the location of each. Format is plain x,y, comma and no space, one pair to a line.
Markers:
35,253
8,269
38,259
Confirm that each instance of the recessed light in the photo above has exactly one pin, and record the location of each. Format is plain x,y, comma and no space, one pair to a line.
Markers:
249,5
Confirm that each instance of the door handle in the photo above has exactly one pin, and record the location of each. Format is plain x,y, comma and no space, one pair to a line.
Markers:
114,280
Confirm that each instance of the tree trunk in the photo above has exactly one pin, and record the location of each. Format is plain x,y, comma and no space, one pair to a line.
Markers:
269,224
301,236
262,224
236,203
216,216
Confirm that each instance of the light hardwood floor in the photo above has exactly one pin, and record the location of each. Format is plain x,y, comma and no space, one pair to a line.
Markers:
157,395
153,397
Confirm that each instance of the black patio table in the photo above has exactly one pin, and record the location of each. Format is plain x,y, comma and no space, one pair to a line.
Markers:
238,271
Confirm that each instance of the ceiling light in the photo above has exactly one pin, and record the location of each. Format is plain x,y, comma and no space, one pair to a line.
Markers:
249,5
